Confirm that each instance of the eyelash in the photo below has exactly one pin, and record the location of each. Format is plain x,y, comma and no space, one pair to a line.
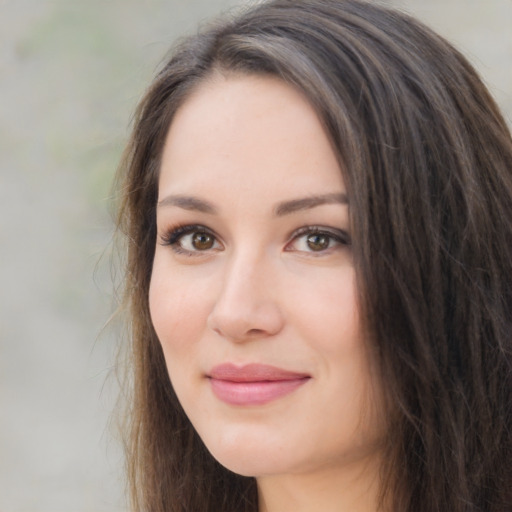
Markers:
339,236
174,235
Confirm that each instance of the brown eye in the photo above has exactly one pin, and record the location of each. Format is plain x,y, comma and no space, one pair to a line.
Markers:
202,241
318,241
192,239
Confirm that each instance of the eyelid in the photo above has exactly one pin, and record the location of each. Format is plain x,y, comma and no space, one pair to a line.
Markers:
339,235
173,234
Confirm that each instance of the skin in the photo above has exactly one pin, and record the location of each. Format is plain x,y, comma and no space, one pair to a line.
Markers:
243,158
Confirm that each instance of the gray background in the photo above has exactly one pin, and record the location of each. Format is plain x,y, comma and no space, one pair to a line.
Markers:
71,73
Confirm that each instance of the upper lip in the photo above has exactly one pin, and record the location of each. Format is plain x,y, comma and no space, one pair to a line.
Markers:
253,372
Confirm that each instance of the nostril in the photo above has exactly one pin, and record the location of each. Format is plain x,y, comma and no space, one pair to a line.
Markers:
216,330
242,317
255,332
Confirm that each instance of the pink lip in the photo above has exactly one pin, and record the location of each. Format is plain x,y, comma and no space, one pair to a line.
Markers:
253,384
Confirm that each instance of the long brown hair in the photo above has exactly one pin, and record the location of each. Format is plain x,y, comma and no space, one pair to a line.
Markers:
427,161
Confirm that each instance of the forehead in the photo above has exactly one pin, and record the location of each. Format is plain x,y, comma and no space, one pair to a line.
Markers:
249,131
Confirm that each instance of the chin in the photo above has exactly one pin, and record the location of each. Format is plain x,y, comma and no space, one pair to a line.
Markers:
249,455
261,452
253,465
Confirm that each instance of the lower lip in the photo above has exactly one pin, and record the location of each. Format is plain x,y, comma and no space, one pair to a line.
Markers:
254,393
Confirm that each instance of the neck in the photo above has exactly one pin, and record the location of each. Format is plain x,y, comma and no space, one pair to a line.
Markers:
353,488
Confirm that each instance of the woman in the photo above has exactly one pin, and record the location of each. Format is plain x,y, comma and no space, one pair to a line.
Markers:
317,200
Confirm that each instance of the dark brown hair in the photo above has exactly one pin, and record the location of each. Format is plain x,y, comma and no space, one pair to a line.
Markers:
427,161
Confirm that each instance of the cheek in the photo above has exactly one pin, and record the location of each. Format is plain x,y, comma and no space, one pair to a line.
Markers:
178,317
328,311
178,310
327,320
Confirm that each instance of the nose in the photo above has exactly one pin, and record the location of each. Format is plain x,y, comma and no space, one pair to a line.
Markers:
246,307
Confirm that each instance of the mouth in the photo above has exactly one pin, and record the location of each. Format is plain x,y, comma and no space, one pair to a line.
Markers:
253,384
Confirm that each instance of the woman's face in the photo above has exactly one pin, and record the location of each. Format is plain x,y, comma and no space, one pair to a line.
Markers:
253,292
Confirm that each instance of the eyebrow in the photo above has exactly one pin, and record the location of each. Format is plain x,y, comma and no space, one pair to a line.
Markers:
306,203
188,203
192,203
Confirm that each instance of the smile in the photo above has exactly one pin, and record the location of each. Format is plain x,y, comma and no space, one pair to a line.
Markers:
253,384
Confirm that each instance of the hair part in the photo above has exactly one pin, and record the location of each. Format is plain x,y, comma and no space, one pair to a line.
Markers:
427,161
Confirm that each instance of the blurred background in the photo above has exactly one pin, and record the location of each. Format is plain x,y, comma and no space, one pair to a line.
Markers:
71,73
